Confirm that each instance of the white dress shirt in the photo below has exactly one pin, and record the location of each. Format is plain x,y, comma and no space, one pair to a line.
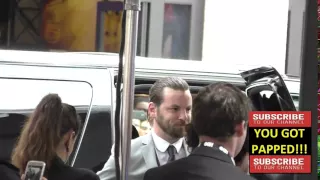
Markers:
162,146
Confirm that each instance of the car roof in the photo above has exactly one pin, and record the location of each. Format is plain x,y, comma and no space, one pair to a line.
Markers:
77,86
152,68
100,60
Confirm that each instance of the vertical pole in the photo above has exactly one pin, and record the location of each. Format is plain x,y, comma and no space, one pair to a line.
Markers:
132,8
308,83
10,33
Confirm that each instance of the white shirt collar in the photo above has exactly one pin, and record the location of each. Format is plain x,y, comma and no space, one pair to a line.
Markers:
162,145
222,149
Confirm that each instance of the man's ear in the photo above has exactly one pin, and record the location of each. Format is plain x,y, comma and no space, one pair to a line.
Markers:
152,110
240,129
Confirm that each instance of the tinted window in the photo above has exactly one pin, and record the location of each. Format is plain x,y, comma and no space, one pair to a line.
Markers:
139,121
295,99
96,144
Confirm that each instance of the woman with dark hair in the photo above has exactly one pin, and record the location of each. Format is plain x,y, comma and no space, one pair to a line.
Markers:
49,136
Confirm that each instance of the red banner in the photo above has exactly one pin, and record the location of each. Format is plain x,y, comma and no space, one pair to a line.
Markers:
280,142
280,119
280,164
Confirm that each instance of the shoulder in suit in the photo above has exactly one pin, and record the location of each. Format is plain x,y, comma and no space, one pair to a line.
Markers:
273,176
81,174
142,158
203,164
60,171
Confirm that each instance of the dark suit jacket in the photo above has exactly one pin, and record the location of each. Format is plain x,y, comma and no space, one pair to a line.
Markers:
273,176
204,163
8,171
60,171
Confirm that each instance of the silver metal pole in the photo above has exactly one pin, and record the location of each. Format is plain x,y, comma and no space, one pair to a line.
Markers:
132,8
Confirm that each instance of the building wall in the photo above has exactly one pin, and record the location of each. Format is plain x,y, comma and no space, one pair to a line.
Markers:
251,32
297,8
234,32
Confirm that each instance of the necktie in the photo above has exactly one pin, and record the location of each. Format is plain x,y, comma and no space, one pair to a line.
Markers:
171,151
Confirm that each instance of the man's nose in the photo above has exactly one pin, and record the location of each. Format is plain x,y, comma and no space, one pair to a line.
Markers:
183,115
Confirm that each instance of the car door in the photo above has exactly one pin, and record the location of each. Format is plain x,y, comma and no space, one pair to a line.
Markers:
89,90
267,90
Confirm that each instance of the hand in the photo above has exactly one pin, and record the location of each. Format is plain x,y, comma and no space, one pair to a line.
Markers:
23,177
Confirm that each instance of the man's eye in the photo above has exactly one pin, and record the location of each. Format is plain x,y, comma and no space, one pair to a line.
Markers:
175,109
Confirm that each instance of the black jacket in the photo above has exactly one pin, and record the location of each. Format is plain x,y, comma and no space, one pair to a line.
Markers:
204,163
8,171
60,171
273,176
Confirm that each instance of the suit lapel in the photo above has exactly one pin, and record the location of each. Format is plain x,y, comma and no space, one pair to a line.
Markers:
148,151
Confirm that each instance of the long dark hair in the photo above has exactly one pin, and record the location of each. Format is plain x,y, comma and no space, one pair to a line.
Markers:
43,131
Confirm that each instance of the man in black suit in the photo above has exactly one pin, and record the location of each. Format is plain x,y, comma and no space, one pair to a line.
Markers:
220,118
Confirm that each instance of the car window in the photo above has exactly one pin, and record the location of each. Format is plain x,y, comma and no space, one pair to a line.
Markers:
140,121
97,141
19,97
295,99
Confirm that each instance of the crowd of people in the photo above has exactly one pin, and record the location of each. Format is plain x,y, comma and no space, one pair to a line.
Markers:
201,138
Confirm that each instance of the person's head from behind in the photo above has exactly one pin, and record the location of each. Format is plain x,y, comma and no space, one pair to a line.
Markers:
144,128
220,114
170,107
141,103
50,131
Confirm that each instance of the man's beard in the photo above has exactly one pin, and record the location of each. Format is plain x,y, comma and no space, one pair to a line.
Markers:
173,131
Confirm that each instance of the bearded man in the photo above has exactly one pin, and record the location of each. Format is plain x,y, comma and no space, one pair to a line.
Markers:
169,111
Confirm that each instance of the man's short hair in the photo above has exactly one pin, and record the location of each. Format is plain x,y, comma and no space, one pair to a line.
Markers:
156,91
218,108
